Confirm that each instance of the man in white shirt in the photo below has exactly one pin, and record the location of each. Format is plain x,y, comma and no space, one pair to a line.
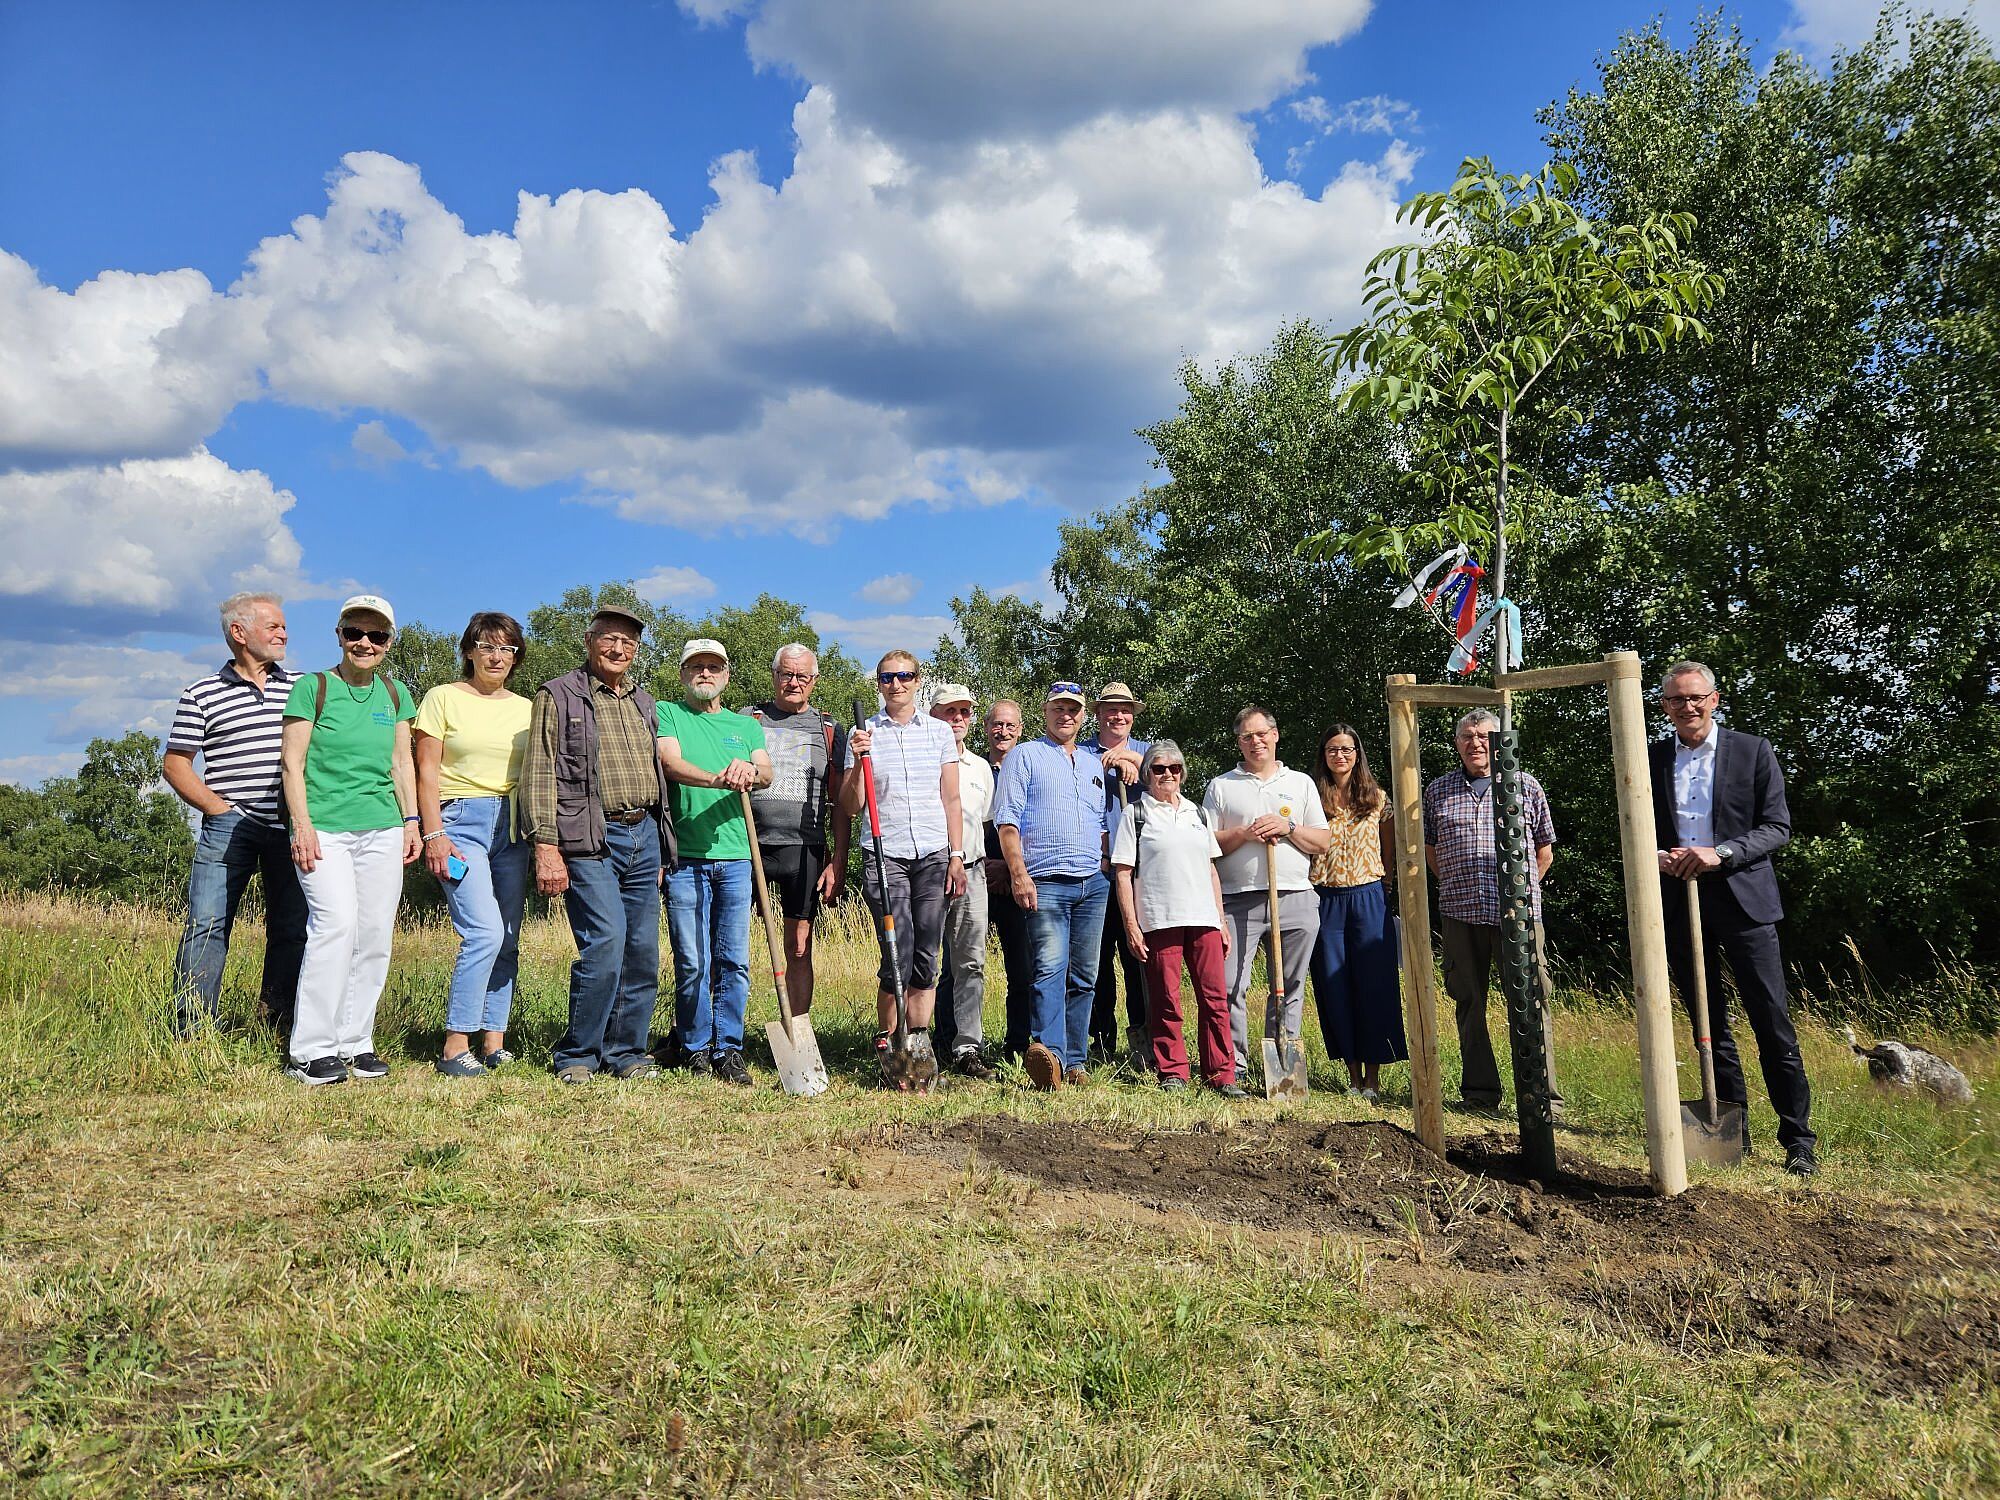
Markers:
1263,814
959,1027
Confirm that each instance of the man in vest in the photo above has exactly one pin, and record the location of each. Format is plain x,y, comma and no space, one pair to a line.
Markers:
806,749
595,807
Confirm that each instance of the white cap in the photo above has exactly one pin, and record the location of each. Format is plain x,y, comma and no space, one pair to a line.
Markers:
703,646
952,692
373,602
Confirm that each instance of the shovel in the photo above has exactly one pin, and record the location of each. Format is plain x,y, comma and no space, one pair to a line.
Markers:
794,1047
1284,1056
1716,1134
902,1069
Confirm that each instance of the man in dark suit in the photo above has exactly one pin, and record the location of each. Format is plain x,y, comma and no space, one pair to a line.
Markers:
1719,809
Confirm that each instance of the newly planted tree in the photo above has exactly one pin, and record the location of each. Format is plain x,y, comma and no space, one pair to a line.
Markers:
1469,332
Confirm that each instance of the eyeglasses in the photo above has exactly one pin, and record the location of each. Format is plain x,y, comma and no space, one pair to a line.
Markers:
1169,770
1686,700
798,676
885,678
497,648
1003,731
618,640
353,633
1340,750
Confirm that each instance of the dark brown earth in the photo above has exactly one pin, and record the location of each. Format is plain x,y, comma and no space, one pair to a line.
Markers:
1899,1297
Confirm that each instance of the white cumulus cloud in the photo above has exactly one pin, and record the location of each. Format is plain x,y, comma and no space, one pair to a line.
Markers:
1820,27
868,636
144,543
921,71
111,689
674,585
890,588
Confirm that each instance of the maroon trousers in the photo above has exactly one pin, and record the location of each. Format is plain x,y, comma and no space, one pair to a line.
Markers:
1200,948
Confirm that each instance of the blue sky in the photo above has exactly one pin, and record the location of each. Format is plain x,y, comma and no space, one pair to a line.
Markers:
851,302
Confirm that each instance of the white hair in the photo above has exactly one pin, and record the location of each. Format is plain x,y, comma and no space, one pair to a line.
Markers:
1688,669
1473,718
795,648
236,608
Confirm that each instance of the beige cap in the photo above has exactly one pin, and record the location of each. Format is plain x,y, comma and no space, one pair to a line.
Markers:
374,603
952,692
1069,692
701,645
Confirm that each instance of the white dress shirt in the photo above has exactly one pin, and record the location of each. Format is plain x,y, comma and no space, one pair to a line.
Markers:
1694,792
975,799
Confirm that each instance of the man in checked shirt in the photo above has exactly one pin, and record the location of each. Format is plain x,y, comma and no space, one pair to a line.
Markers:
1462,849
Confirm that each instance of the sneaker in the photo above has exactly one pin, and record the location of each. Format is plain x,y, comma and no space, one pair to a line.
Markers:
700,1064
967,1063
1801,1162
574,1073
730,1068
1075,1077
1231,1090
461,1065
319,1070
367,1065
640,1071
1173,1085
1369,1096
1044,1068
499,1057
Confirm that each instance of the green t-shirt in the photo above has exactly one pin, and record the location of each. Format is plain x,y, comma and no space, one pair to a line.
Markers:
708,821
349,788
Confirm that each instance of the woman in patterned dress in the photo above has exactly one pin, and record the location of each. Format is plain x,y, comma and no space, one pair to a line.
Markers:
1354,975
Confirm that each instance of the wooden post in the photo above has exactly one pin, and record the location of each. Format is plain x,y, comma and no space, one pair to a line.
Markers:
1414,904
1665,1153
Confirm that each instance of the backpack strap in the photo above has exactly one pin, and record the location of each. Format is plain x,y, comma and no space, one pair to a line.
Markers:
319,694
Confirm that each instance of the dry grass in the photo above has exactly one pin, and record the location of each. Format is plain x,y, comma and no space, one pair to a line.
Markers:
214,1282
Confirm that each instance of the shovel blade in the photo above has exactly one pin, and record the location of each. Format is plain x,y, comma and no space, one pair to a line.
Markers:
801,1070
1722,1144
1284,1068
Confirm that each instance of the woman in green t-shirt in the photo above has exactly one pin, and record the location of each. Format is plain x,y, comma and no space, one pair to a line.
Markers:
352,797
470,737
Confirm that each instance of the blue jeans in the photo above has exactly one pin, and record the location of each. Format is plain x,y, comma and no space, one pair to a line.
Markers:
708,917
229,851
485,907
614,914
1065,927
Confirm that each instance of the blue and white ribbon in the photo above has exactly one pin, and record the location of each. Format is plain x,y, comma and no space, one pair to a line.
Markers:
1465,656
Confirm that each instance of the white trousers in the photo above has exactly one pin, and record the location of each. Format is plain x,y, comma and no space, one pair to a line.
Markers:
351,901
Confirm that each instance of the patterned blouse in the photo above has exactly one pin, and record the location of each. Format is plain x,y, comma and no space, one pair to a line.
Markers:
1355,855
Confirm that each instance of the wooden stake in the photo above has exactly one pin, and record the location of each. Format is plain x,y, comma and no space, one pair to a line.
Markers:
1414,903
1665,1151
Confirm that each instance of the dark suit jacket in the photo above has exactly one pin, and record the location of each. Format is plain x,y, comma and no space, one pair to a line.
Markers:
1749,815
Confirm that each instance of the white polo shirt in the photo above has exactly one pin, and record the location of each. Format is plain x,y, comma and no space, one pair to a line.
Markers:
1237,799
1172,883
975,799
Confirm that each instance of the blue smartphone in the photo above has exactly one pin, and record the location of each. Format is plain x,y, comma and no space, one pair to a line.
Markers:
455,868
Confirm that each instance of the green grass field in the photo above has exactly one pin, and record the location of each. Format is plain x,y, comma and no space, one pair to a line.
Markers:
213,1281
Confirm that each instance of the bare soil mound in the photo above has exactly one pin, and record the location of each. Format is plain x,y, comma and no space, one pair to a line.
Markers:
1900,1297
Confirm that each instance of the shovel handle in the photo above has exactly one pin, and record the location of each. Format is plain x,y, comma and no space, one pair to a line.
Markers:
1703,1041
1274,1016
764,910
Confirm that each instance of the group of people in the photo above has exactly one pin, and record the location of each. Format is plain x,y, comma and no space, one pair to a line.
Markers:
1093,861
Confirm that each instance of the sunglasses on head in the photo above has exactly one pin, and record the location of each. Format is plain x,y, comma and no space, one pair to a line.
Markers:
887,677
353,633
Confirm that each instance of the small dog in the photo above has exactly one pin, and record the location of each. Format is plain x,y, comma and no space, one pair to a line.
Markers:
1911,1068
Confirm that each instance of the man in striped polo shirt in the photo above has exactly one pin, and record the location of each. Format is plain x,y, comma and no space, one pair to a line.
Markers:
234,720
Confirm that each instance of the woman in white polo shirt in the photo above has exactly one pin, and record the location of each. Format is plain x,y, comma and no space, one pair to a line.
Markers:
1171,900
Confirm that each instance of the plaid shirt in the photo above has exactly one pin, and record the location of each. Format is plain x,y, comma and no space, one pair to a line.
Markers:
626,747
1458,828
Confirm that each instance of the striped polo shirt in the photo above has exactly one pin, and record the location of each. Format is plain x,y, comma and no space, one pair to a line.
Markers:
237,731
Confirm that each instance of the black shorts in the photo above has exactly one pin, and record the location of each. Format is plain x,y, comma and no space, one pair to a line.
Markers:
796,870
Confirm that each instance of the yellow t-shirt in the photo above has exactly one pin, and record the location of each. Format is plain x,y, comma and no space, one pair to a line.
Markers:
484,739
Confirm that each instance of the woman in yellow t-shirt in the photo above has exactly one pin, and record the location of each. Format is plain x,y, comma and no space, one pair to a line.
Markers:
470,737
1354,975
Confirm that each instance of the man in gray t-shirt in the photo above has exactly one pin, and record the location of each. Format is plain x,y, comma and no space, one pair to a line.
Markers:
806,749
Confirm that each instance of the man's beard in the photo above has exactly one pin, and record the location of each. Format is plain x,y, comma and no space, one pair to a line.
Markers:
704,692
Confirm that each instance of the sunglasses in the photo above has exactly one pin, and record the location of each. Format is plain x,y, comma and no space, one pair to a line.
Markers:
353,633
888,677
1169,770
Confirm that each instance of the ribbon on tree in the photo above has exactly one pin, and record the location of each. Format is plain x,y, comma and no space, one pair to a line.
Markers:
1456,596
1465,656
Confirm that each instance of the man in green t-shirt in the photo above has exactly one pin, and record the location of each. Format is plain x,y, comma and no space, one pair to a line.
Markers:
711,756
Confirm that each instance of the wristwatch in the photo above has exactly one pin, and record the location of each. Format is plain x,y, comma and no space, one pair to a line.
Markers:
1725,852
957,854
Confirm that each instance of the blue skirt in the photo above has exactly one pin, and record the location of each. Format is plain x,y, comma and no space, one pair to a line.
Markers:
1356,987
